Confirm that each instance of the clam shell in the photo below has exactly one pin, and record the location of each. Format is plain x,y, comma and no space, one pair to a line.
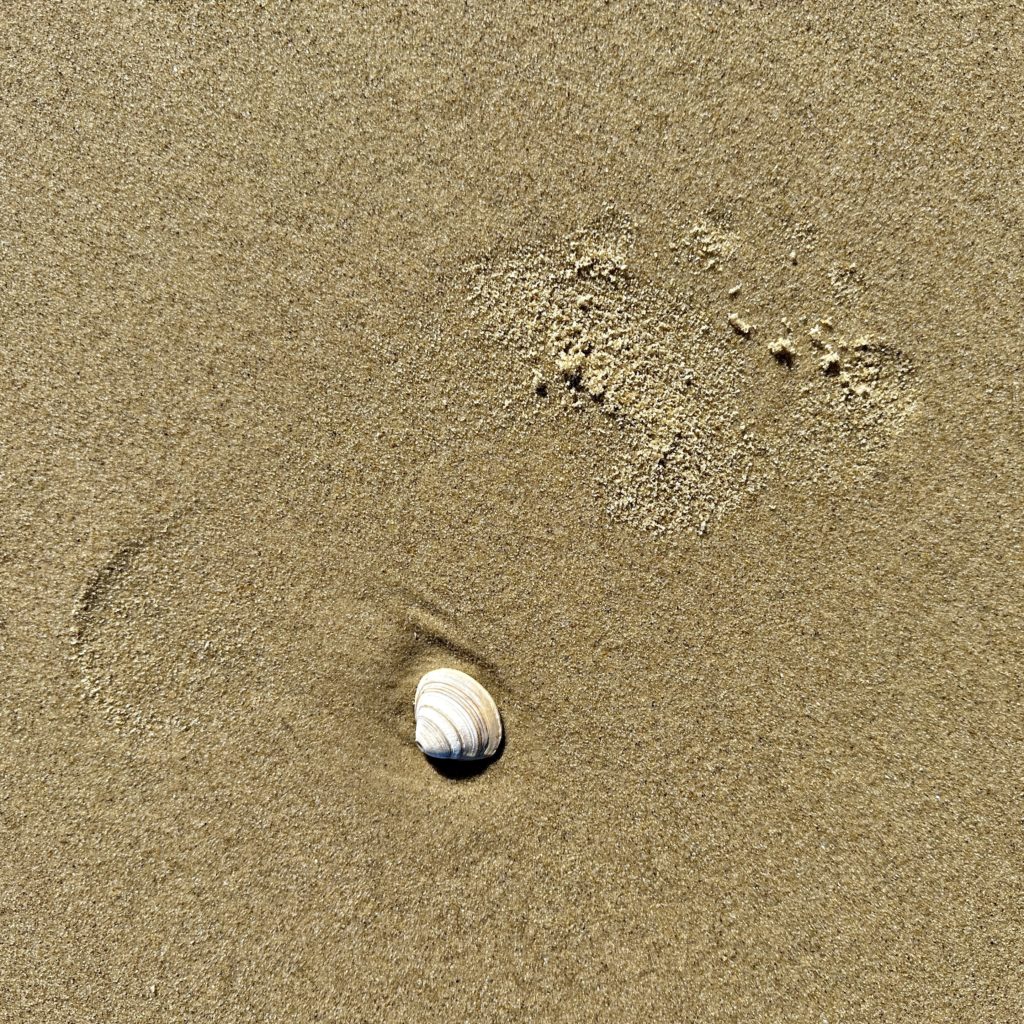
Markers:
456,718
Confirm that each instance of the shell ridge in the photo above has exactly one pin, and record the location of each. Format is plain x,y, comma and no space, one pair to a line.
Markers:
455,716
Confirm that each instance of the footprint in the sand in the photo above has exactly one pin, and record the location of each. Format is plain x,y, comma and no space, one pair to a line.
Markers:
686,388
185,632
611,345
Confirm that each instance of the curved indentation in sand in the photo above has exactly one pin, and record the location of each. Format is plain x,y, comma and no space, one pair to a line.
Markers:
416,634
161,642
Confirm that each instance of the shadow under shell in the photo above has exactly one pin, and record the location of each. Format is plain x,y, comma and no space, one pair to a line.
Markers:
457,769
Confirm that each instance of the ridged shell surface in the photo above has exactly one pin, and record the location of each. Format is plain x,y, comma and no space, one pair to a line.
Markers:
456,718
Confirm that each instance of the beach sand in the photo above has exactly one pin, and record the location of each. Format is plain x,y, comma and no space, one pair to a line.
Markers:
659,363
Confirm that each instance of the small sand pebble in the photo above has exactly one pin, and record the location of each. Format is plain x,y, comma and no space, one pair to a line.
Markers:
740,325
782,349
830,364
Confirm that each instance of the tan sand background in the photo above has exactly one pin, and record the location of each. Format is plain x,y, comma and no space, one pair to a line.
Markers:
264,457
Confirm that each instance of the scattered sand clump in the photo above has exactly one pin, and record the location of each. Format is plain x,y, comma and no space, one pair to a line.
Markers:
682,385
593,334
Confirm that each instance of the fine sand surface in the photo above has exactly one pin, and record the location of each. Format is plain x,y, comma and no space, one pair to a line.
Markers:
658,363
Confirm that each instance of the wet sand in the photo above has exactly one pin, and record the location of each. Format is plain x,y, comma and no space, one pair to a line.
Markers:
658,363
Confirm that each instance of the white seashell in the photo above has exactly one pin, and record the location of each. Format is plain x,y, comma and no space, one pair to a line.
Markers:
456,718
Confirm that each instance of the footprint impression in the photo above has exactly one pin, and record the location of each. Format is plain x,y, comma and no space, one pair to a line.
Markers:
683,388
181,632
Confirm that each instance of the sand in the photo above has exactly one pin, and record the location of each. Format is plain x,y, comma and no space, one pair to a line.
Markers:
658,363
